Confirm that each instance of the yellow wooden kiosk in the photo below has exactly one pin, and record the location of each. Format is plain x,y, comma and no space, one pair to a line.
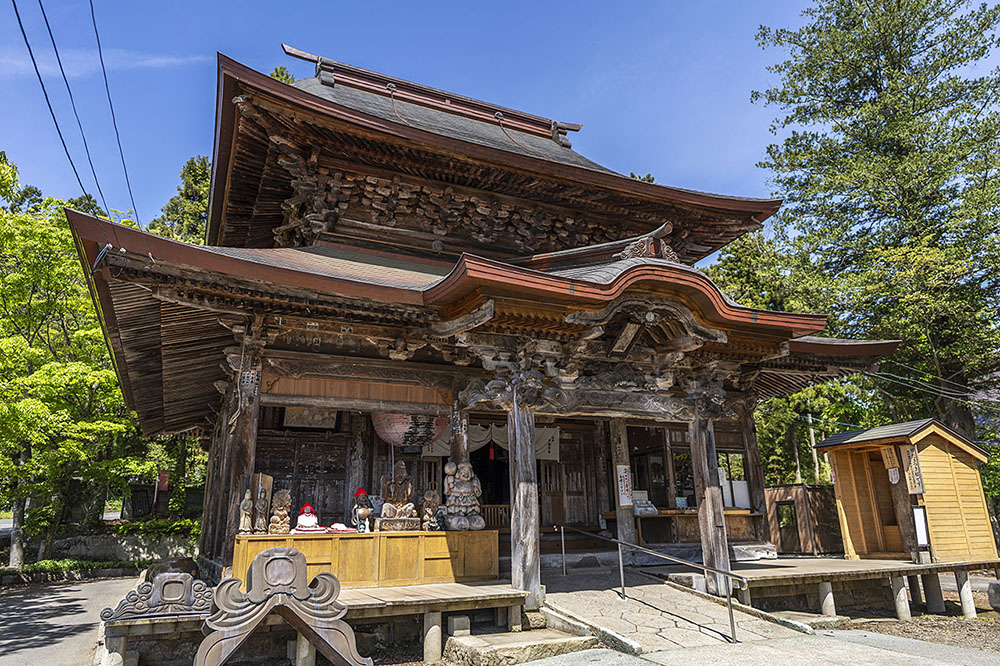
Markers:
910,490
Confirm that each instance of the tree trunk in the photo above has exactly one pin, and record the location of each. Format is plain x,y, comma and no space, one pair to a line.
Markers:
958,417
178,499
16,560
45,548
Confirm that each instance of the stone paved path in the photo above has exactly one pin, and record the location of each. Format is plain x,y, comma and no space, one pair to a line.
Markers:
657,616
55,624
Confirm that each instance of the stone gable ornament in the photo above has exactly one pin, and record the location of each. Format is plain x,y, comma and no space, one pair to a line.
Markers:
169,594
276,582
280,506
463,490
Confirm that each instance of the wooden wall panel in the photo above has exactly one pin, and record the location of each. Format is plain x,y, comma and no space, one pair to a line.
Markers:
957,518
356,390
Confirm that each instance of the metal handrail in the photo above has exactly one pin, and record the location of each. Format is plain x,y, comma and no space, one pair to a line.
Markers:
729,575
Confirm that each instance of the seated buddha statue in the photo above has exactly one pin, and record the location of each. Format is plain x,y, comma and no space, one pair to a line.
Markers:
397,493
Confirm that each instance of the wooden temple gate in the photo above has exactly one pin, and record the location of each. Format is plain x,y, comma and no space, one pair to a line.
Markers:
378,246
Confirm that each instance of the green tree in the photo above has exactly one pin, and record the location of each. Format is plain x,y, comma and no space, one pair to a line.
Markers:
185,215
62,416
282,74
888,159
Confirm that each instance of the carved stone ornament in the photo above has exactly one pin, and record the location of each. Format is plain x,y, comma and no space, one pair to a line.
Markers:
276,582
169,594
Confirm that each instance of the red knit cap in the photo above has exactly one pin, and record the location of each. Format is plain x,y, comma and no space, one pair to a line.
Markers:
359,492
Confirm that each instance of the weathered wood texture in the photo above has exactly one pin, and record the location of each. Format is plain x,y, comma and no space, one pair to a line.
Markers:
603,468
957,518
817,528
620,456
313,465
386,559
753,469
243,438
359,459
711,517
902,506
525,562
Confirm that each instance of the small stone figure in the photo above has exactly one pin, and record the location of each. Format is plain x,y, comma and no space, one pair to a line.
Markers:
439,520
260,513
246,514
462,489
361,513
281,503
308,521
398,494
428,512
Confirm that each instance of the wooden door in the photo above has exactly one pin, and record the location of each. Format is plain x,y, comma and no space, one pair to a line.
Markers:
550,476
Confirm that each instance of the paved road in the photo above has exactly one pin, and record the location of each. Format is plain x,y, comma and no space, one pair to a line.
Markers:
6,524
656,616
830,649
55,624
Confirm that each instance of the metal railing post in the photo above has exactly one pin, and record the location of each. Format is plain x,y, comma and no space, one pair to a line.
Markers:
562,539
729,602
621,569
728,575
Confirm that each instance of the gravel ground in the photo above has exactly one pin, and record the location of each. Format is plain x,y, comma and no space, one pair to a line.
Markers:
983,633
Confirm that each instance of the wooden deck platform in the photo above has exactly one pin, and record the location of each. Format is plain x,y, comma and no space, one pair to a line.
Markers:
381,602
815,569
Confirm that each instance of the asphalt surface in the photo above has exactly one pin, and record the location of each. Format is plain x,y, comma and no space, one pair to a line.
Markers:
6,524
55,624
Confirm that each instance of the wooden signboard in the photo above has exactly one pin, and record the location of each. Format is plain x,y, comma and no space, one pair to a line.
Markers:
624,475
891,462
911,467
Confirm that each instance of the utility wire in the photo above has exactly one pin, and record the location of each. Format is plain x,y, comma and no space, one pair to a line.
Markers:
924,372
72,102
45,93
114,121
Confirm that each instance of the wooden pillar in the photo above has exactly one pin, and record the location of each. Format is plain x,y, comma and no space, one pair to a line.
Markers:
359,454
225,477
603,468
754,470
460,442
903,508
668,464
621,466
711,519
525,563
208,508
244,442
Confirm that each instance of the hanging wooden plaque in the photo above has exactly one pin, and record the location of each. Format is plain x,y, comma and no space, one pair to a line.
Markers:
911,467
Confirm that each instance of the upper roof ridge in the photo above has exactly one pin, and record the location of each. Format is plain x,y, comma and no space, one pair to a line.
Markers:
332,72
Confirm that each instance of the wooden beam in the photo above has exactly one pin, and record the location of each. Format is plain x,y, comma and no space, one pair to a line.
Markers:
355,404
603,468
708,489
525,562
624,516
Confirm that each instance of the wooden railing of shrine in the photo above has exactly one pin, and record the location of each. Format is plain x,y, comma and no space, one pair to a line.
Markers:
496,515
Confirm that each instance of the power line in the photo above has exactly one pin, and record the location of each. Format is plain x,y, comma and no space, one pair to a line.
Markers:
45,93
72,103
936,393
114,121
923,372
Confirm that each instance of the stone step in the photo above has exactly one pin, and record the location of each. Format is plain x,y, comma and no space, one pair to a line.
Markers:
513,647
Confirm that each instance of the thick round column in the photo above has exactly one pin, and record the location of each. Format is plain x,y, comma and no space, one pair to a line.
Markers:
932,590
826,602
965,594
432,637
899,598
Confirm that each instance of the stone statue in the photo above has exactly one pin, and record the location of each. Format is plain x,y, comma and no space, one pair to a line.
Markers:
397,493
361,512
308,521
281,503
428,512
462,489
260,513
246,514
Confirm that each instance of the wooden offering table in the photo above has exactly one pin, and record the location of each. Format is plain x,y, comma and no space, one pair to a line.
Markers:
384,559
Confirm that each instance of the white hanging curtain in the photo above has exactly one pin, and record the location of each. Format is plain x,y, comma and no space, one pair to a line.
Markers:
546,441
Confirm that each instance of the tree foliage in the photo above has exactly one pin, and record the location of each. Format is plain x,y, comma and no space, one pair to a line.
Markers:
185,215
282,74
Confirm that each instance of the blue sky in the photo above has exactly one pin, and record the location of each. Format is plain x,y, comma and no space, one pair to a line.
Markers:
659,87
